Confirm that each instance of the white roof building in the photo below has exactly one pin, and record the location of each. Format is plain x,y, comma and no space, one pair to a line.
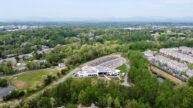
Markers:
61,65
97,71
149,54
186,50
175,65
189,73
173,53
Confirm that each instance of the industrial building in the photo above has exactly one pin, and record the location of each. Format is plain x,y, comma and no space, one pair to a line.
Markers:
89,71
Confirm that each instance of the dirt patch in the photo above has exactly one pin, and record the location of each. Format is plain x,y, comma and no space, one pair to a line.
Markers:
166,75
19,84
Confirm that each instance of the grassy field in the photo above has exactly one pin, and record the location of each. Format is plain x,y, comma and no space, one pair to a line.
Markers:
31,79
123,68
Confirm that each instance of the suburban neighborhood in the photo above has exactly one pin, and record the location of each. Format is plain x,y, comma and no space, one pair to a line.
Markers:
175,61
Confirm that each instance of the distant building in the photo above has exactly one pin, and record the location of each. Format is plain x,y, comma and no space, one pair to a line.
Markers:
174,52
40,61
21,66
61,65
173,60
26,56
186,50
90,34
149,54
172,65
189,73
12,60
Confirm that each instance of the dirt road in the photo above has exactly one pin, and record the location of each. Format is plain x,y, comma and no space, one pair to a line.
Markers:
165,75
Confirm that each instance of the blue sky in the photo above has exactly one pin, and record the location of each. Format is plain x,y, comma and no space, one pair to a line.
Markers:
95,8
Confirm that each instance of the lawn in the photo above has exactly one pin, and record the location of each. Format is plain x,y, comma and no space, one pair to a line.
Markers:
31,79
123,68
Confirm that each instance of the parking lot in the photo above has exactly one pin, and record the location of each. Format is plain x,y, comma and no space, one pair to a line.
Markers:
6,90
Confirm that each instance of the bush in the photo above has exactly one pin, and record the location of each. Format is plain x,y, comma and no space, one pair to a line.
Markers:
49,79
71,106
14,95
64,71
58,74
190,82
3,83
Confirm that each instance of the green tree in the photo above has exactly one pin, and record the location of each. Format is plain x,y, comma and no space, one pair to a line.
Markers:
3,83
53,58
7,68
187,97
17,59
102,101
14,95
71,106
49,79
190,81
84,39
44,102
117,103
32,65
1,55
109,101
82,97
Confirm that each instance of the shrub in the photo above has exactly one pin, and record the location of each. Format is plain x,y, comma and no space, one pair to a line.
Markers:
64,71
14,95
3,83
49,79
71,106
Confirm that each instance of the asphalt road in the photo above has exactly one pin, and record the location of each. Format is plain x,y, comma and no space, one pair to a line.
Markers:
67,76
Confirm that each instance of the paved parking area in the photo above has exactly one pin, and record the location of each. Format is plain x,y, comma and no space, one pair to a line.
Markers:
6,90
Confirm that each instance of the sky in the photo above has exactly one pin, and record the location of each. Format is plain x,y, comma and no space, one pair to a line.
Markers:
94,8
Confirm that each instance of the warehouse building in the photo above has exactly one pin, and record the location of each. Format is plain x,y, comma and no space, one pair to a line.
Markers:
90,71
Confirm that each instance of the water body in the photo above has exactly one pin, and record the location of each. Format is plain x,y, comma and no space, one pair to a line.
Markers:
160,79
